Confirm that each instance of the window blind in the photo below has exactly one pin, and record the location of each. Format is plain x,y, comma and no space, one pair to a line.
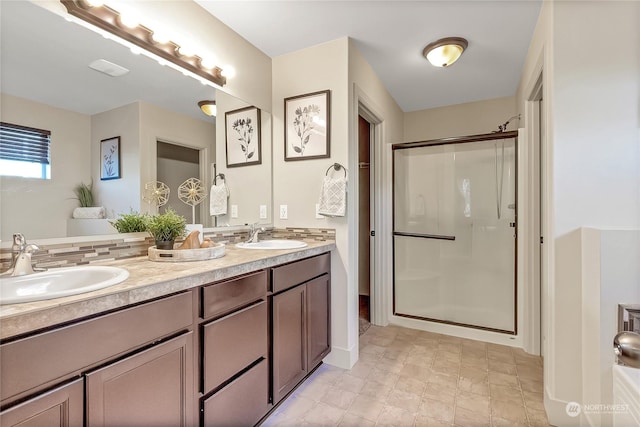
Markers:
24,144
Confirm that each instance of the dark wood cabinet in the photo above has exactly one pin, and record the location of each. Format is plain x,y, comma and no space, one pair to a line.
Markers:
318,320
153,387
289,341
222,354
234,351
60,407
301,325
130,367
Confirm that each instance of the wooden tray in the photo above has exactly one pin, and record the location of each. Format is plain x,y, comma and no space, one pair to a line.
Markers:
181,255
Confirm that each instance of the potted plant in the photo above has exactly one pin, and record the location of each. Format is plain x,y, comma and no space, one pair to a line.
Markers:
87,209
131,223
166,227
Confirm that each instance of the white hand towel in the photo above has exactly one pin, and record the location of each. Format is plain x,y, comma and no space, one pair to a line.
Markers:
333,197
218,199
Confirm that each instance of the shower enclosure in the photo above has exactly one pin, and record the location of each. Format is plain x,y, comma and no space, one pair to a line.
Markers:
454,231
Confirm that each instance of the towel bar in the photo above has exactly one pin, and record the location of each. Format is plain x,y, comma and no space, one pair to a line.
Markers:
337,166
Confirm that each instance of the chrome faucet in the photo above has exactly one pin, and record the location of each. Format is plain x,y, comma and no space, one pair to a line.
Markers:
22,264
254,230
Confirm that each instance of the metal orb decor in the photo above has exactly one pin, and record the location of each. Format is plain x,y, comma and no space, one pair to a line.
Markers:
156,192
192,193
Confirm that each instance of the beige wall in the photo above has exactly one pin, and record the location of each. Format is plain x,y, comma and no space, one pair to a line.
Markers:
249,186
593,158
336,66
297,184
471,118
40,208
368,96
118,195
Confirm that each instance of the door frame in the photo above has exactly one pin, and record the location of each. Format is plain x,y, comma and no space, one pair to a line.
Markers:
378,300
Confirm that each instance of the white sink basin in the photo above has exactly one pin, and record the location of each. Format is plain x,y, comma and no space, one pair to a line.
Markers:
273,244
59,282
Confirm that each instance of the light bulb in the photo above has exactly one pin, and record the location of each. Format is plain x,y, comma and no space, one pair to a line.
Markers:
160,36
129,20
228,71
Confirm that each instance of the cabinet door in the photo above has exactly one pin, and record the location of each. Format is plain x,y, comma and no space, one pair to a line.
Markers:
318,320
62,406
150,388
289,341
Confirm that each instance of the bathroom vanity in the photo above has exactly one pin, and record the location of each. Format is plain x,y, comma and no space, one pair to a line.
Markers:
194,351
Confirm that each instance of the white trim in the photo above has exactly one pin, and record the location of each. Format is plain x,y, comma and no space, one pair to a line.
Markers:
341,357
458,331
365,106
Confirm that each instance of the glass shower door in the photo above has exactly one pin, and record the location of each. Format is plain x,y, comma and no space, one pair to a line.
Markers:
454,235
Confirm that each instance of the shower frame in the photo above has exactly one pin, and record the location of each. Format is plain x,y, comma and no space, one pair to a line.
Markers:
446,141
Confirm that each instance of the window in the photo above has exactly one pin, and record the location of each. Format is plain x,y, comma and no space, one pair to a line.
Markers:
24,151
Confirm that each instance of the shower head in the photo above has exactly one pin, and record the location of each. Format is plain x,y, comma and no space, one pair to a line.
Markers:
503,127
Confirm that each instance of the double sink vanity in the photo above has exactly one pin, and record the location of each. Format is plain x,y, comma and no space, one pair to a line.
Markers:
218,342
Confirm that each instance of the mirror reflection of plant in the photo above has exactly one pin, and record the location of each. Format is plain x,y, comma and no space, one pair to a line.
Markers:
133,222
109,162
84,194
244,128
303,124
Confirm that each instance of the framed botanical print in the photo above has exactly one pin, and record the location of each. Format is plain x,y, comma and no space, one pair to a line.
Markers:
110,158
243,139
307,126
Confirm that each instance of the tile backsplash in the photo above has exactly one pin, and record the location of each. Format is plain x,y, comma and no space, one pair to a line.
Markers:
88,252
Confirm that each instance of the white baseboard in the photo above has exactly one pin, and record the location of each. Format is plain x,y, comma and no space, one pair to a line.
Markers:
342,357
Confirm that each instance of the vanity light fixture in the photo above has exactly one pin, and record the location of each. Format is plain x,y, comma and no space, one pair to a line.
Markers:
444,52
110,20
208,107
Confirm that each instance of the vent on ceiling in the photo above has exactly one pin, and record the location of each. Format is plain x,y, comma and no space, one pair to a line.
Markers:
108,68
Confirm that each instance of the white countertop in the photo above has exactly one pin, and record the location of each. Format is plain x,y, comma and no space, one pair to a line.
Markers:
147,280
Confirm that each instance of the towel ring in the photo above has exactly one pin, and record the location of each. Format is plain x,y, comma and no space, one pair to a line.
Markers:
337,166
215,178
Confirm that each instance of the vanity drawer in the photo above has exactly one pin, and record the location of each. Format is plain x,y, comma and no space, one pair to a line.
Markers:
242,402
232,343
61,353
222,297
297,272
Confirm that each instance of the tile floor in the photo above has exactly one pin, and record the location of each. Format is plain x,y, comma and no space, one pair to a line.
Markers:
406,377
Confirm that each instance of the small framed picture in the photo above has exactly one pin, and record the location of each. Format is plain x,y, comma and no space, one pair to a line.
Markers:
307,126
242,134
110,158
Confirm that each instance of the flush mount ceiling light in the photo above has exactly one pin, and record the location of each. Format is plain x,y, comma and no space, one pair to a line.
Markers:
208,107
114,22
444,52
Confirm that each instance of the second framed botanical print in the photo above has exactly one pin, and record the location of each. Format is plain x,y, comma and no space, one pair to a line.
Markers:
110,158
307,126
242,132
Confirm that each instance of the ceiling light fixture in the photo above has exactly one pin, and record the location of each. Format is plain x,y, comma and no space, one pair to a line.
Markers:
208,107
444,52
108,19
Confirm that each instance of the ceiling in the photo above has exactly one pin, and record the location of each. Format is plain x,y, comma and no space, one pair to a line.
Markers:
45,59
392,34
43,56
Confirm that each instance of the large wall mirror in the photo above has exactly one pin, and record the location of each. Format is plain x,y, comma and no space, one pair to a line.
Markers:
47,83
